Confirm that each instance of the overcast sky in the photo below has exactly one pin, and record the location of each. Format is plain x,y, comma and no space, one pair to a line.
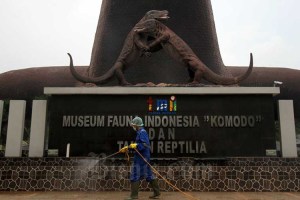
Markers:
37,33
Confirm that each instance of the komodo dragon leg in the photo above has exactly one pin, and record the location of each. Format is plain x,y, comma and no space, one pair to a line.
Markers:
162,39
120,74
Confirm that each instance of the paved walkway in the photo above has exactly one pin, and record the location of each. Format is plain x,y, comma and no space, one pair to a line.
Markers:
144,195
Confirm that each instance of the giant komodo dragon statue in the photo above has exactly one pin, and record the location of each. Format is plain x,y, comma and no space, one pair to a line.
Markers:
180,51
136,44
129,54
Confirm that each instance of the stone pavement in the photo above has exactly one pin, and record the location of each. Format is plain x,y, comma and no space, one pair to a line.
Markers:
144,195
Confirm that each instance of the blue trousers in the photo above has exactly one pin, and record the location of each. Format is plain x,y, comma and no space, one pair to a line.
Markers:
141,170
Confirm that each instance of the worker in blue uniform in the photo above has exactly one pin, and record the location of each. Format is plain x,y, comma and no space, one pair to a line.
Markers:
140,169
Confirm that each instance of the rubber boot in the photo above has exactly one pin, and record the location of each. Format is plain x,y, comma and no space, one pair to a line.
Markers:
155,187
134,190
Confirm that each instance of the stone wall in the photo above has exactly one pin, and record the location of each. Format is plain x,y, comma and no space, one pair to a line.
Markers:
88,174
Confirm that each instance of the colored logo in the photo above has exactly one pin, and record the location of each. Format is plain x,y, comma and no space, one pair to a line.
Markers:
162,106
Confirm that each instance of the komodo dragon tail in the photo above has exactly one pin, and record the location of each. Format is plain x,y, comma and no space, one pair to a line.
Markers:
98,80
217,79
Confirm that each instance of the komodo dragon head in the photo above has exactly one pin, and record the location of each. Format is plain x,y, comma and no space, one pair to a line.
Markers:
148,27
161,15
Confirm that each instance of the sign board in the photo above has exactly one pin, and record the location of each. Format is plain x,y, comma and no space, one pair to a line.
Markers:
178,125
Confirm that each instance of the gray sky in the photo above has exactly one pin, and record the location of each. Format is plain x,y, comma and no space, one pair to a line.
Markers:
37,33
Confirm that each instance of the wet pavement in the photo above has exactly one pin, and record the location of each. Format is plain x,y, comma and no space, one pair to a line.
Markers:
144,195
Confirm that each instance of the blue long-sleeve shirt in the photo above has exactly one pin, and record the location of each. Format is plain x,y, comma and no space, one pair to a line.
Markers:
143,143
142,139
